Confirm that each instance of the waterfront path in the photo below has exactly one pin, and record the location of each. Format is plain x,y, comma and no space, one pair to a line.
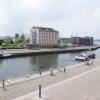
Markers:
18,89
85,86
26,52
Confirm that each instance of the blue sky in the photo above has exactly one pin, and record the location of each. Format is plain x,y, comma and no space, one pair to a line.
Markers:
70,17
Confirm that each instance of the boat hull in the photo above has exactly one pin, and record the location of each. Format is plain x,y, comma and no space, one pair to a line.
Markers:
5,56
85,58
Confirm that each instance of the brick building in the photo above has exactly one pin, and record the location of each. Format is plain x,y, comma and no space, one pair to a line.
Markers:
44,37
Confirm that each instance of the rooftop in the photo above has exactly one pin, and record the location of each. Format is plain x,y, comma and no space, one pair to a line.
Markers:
45,28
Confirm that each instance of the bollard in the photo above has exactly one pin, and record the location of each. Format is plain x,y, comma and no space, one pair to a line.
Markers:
39,72
64,69
51,71
39,91
3,83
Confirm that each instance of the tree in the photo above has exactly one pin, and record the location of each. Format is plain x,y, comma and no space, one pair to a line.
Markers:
11,41
28,40
8,41
22,37
1,41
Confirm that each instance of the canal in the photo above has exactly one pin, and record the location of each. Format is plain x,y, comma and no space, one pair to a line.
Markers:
15,67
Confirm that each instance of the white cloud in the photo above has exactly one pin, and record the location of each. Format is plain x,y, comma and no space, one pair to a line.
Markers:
68,16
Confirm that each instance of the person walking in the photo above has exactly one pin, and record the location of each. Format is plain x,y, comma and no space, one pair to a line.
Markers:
88,61
40,72
92,61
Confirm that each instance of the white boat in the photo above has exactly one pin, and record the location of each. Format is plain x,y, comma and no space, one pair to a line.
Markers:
5,55
85,56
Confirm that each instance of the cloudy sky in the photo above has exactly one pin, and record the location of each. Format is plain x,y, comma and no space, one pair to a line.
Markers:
70,17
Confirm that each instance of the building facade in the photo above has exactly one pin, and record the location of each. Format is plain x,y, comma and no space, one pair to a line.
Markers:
44,37
82,41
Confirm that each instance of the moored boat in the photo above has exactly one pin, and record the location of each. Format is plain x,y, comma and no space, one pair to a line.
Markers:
5,55
85,56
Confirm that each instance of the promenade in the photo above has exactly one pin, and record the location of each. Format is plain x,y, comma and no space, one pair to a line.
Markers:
27,52
29,85
85,86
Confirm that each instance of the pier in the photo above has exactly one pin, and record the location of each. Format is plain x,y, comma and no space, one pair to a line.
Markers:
27,87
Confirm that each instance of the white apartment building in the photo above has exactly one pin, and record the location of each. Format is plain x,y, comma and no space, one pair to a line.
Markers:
44,37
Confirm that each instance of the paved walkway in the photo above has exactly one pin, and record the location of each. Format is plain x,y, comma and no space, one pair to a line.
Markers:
85,86
15,90
44,50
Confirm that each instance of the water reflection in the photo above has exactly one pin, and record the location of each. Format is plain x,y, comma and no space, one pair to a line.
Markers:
43,62
1,61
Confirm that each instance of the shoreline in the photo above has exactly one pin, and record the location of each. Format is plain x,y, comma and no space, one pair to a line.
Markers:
30,52
28,77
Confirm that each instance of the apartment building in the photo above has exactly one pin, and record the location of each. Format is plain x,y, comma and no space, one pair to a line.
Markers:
44,37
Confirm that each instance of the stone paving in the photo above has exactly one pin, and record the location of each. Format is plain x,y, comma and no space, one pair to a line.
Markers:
85,86
14,90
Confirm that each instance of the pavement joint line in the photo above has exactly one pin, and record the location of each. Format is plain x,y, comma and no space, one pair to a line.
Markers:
56,85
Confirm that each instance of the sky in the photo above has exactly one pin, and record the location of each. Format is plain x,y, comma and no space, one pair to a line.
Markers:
69,17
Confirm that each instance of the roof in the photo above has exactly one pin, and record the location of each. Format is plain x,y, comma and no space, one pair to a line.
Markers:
45,28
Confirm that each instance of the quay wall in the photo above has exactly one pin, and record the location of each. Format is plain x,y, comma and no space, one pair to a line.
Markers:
29,52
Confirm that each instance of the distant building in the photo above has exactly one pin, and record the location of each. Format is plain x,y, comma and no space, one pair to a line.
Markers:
44,37
79,41
17,36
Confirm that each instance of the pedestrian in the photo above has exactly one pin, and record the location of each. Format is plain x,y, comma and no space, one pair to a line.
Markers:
3,84
92,61
40,72
88,61
2,51
85,59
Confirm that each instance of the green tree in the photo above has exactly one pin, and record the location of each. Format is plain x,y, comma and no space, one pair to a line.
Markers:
27,40
11,41
1,41
22,37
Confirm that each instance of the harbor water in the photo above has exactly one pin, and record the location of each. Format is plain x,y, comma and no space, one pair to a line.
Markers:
16,67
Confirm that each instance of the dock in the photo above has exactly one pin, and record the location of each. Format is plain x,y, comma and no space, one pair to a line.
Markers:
27,88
